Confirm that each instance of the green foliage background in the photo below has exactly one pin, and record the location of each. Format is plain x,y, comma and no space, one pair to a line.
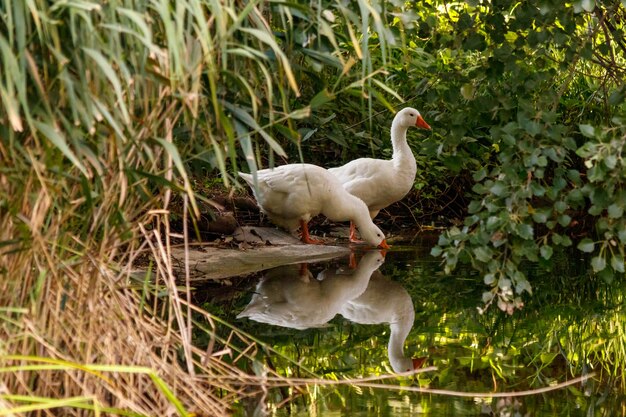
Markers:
107,106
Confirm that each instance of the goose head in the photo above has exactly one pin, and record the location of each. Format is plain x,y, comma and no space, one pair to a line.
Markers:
409,117
373,235
400,365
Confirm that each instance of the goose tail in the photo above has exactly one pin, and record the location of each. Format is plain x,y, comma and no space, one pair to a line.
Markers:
246,177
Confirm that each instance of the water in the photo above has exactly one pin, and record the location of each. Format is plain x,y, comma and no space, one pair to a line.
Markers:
340,322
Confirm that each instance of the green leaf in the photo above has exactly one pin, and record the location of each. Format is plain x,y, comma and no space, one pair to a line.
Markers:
564,220
615,211
110,74
588,5
483,254
480,174
302,113
587,130
586,245
598,263
560,206
321,98
607,275
575,195
58,139
540,216
548,357
610,161
499,189
546,252
248,120
525,231
617,263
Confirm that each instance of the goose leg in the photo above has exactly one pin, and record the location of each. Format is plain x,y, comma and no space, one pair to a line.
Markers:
306,237
352,264
353,237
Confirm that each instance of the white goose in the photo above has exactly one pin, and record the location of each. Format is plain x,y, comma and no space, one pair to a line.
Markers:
292,194
386,301
380,182
288,296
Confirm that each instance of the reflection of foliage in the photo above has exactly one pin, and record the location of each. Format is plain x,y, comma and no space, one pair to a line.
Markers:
573,325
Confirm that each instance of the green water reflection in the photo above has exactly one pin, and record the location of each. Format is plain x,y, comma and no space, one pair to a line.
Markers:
337,325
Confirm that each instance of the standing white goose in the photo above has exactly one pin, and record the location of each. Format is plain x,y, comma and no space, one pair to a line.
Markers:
293,194
386,301
380,182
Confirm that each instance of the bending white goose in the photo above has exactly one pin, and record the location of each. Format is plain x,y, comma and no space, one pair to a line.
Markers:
292,194
288,296
380,182
386,301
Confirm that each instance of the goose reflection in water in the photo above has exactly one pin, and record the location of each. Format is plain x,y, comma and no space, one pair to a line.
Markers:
290,296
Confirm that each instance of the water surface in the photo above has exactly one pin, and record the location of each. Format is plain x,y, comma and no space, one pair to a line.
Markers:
347,319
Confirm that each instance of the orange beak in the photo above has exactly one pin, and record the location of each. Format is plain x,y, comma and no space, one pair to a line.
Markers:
384,245
421,123
419,362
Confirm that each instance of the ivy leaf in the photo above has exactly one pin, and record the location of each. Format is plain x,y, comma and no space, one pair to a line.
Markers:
586,245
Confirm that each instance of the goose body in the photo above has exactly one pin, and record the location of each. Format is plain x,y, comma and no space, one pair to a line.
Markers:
380,182
292,194
289,296
386,301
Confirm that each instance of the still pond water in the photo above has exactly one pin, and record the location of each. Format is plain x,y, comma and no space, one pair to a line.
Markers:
340,322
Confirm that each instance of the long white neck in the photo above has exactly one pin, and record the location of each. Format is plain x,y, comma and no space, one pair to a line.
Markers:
399,331
403,159
344,206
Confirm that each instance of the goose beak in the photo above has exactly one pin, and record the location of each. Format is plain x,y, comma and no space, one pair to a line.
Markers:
419,362
384,245
420,122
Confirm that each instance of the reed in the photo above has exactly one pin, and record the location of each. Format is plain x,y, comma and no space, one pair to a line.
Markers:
105,107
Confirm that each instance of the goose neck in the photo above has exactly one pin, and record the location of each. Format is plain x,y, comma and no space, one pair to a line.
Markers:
399,332
398,141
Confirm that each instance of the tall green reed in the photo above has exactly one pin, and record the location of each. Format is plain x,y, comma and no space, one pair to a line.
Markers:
104,108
